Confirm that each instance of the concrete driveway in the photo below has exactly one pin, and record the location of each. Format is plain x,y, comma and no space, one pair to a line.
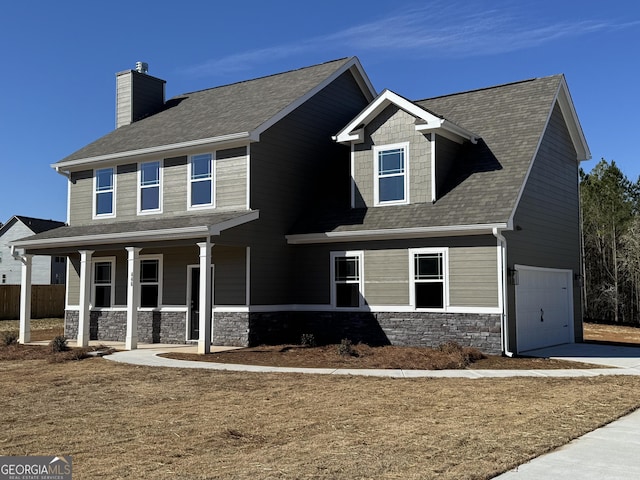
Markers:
596,353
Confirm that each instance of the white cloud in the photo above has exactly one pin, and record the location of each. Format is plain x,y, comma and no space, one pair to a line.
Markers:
442,29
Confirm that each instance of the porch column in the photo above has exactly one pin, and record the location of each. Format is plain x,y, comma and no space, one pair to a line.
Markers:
133,297
204,320
25,299
85,298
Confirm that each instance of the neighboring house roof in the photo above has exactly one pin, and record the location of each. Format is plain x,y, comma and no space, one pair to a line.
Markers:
510,121
36,225
238,111
167,228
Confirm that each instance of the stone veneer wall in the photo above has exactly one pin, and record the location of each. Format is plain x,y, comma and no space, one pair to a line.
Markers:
424,329
231,329
153,327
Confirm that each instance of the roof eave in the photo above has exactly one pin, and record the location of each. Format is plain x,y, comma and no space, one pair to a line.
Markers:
395,233
173,149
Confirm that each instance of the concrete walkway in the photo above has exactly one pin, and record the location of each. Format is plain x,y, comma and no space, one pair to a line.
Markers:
622,360
608,453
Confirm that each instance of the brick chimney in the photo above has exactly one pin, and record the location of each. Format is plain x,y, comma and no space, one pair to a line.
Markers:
138,95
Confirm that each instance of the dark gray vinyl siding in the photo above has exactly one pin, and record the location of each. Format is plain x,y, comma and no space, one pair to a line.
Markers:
230,267
296,163
447,153
174,273
126,191
547,223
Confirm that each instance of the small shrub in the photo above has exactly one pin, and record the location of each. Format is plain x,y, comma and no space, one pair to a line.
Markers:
345,348
9,338
59,344
308,340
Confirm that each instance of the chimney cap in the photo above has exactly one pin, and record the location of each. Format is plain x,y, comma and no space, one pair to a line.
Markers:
142,67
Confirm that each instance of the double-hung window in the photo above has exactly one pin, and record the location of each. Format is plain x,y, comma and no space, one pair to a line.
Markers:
150,188
104,199
103,283
346,273
391,167
429,271
201,181
150,283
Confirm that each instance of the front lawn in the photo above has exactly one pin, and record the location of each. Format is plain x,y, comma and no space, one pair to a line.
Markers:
124,421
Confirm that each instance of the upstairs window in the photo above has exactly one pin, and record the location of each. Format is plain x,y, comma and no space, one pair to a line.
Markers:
429,278
346,273
149,195
104,193
149,283
103,284
201,181
390,185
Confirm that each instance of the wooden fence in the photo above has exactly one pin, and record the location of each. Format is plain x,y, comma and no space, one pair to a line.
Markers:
47,301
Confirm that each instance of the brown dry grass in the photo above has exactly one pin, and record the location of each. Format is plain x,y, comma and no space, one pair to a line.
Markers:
123,421
387,357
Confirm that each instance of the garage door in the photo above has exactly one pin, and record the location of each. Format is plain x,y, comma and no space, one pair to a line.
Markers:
544,307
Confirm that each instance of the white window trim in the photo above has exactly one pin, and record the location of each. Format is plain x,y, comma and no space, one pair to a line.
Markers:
95,193
376,174
213,183
160,188
160,276
348,253
112,261
412,274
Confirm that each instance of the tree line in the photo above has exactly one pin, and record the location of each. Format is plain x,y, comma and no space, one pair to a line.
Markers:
610,216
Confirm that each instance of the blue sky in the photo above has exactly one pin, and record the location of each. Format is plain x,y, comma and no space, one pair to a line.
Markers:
59,61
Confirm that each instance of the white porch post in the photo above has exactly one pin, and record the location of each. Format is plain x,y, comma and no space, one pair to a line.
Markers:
133,297
25,299
85,297
204,340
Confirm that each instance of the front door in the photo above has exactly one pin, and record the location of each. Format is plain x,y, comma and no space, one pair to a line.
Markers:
194,308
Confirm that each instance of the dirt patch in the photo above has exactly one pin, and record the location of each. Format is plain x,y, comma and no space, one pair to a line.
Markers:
124,421
41,329
385,357
599,332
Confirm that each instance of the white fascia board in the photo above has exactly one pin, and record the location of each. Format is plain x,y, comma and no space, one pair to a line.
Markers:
361,79
573,123
394,233
429,122
167,149
111,238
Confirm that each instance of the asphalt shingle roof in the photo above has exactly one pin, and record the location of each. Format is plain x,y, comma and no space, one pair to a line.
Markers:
510,119
236,108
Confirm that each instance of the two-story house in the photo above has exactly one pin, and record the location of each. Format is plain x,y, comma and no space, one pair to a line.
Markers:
305,203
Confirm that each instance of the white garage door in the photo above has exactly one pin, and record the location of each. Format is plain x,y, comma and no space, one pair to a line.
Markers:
544,307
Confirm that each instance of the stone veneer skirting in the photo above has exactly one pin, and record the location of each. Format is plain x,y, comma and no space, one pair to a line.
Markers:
153,327
423,329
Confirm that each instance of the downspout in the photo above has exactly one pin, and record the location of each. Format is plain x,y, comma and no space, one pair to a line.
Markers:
504,338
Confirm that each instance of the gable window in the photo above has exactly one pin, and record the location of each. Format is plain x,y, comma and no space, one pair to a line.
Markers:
104,192
149,283
346,273
201,181
103,283
429,278
150,192
391,162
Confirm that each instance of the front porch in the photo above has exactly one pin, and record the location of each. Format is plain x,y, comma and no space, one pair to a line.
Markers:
148,282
